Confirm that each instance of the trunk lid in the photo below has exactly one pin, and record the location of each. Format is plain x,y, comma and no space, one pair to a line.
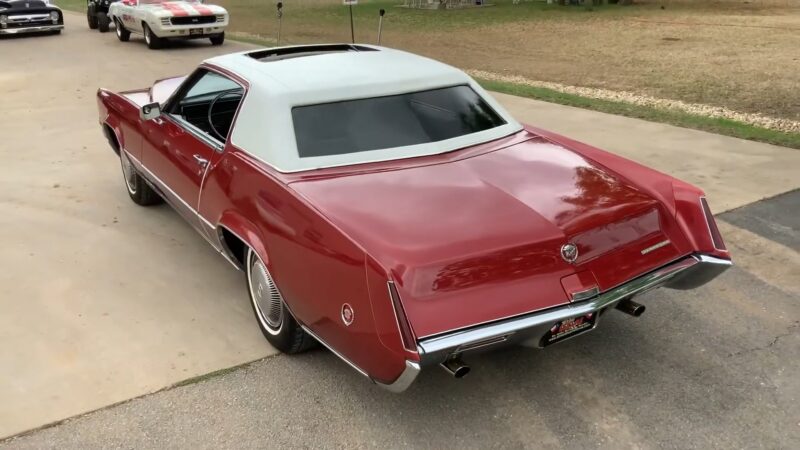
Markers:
479,239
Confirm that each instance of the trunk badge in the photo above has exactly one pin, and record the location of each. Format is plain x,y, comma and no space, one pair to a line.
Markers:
655,247
569,252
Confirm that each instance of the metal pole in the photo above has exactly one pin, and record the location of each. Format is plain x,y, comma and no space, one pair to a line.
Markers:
380,24
280,22
352,32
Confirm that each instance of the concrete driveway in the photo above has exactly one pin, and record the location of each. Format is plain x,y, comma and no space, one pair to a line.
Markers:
102,301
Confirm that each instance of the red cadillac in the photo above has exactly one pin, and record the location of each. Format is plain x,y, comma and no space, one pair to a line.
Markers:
385,205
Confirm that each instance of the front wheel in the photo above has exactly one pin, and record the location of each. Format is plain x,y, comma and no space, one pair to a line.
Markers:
91,18
103,22
153,42
122,34
274,319
217,39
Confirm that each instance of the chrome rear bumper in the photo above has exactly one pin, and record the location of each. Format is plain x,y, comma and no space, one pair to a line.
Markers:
687,273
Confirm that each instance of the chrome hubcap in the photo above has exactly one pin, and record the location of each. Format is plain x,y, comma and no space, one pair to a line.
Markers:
266,298
128,172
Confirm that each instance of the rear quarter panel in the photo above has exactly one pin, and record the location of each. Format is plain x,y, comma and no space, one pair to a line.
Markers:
316,267
122,115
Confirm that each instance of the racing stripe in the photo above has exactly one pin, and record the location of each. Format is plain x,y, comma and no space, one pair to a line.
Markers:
202,9
176,9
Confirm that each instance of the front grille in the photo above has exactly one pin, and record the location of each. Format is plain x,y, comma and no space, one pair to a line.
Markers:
193,20
165,21
28,22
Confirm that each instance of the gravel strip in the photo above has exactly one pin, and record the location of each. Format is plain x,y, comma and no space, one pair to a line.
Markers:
772,123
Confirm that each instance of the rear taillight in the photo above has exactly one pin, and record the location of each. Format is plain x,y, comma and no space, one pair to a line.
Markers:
716,237
402,322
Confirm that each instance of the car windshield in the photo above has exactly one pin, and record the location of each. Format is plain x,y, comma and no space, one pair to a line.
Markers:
393,121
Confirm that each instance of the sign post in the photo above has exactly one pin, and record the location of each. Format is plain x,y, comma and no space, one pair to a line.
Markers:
280,21
380,24
350,4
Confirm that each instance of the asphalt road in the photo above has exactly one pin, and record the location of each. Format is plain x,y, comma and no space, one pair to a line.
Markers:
103,301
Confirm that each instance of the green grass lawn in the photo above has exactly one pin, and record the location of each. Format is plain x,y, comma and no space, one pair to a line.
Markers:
679,118
332,11
308,21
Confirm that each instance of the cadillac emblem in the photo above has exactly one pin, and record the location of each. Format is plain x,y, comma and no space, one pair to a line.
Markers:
347,314
569,252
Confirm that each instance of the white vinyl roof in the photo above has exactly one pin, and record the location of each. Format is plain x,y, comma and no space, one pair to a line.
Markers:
264,125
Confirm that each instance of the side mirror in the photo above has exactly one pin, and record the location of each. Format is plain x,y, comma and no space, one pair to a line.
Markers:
150,111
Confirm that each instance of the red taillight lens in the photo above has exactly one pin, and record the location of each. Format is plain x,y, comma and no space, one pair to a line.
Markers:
716,237
402,322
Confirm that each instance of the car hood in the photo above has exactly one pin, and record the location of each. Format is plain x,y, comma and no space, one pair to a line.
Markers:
479,239
174,9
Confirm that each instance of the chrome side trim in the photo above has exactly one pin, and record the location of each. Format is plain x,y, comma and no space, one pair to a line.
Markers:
709,267
350,363
686,273
226,251
404,380
161,186
164,187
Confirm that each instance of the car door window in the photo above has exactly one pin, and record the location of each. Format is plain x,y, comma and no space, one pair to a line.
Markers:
208,104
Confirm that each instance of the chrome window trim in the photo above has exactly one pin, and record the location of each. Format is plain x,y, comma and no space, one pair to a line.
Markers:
186,126
210,141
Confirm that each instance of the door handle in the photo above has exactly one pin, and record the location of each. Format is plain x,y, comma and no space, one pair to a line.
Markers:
202,162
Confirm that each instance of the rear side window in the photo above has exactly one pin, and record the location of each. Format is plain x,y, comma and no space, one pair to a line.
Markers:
393,121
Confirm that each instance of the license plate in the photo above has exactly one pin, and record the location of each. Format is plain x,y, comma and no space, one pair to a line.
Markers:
196,31
568,328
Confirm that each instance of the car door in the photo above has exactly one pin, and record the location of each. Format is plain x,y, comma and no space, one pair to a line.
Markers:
125,10
180,145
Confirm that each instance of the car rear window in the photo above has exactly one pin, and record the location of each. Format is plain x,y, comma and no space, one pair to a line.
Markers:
393,121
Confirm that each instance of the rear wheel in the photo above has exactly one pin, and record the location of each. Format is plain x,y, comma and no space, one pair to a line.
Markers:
91,17
274,319
153,41
217,39
138,190
103,22
122,34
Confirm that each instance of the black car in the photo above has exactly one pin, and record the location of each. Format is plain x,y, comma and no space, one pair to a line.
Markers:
30,16
97,14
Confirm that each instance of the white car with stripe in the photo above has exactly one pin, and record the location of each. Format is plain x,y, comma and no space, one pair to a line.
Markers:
159,20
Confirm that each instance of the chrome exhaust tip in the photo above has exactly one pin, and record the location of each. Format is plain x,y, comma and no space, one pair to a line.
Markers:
630,307
455,367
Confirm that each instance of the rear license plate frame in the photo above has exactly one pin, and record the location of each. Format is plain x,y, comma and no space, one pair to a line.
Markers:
568,328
